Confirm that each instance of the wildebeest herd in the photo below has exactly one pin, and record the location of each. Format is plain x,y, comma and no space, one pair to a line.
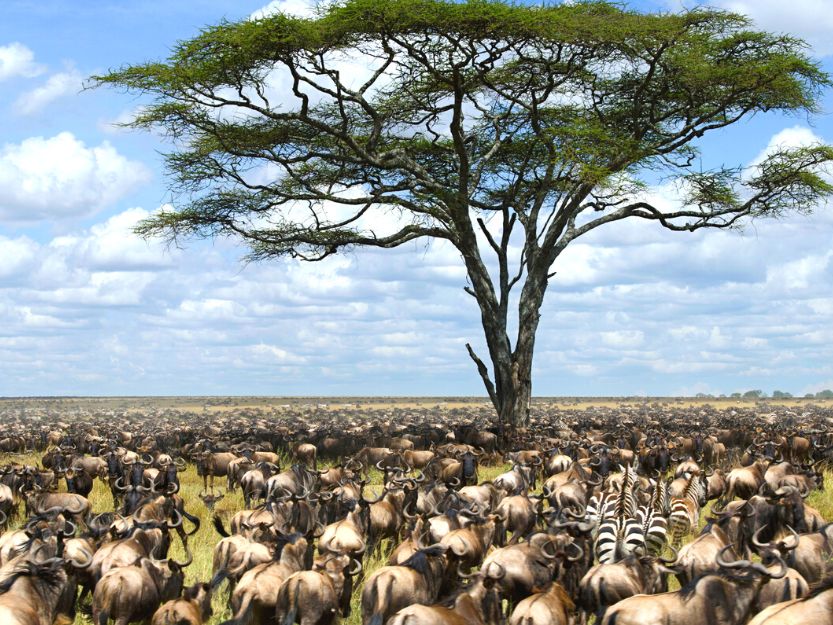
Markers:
588,515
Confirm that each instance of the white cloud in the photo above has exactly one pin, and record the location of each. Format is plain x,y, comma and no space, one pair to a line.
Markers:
296,8
637,308
811,20
18,60
60,177
56,86
623,338
788,138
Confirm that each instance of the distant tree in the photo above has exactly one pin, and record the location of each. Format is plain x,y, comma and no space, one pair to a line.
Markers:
507,130
809,396
781,395
825,394
735,395
756,394
704,396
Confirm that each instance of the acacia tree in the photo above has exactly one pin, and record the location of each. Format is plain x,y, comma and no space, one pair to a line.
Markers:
508,131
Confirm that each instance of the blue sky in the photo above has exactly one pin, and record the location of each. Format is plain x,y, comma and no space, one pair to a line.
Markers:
86,308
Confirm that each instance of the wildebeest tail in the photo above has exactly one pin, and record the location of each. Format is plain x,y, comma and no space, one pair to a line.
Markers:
218,578
380,603
218,525
292,611
244,612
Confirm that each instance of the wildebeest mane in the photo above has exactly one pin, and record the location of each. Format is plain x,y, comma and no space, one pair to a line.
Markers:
420,560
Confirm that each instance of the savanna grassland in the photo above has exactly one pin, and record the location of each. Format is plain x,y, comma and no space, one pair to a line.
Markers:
203,542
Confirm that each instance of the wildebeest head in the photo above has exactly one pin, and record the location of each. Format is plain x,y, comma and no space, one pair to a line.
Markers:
469,460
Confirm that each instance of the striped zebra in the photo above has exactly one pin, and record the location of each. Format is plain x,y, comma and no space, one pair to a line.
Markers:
654,527
617,538
685,510
620,531
653,518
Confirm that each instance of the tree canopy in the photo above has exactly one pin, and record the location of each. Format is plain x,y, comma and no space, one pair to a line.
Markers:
507,130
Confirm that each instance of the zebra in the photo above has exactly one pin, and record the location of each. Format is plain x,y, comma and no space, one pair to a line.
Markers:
685,510
617,538
654,527
653,518
620,531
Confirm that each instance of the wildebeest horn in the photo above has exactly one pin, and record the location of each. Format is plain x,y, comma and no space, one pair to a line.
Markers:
69,529
756,538
549,555
180,463
501,570
734,564
793,540
464,575
357,568
189,558
178,521
85,563
580,552
672,561
173,488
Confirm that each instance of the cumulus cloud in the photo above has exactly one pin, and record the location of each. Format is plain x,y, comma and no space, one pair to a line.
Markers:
297,8
16,60
60,177
633,308
56,86
811,20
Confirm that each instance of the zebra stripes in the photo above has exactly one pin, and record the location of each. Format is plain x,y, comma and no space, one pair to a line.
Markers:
617,538
685,510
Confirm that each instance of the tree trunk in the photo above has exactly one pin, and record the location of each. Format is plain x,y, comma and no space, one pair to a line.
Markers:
514,392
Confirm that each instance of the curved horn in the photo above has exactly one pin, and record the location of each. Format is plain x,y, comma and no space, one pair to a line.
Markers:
548,555
756,538
673,560
500,567
580,554
793,540
189,558
724,564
